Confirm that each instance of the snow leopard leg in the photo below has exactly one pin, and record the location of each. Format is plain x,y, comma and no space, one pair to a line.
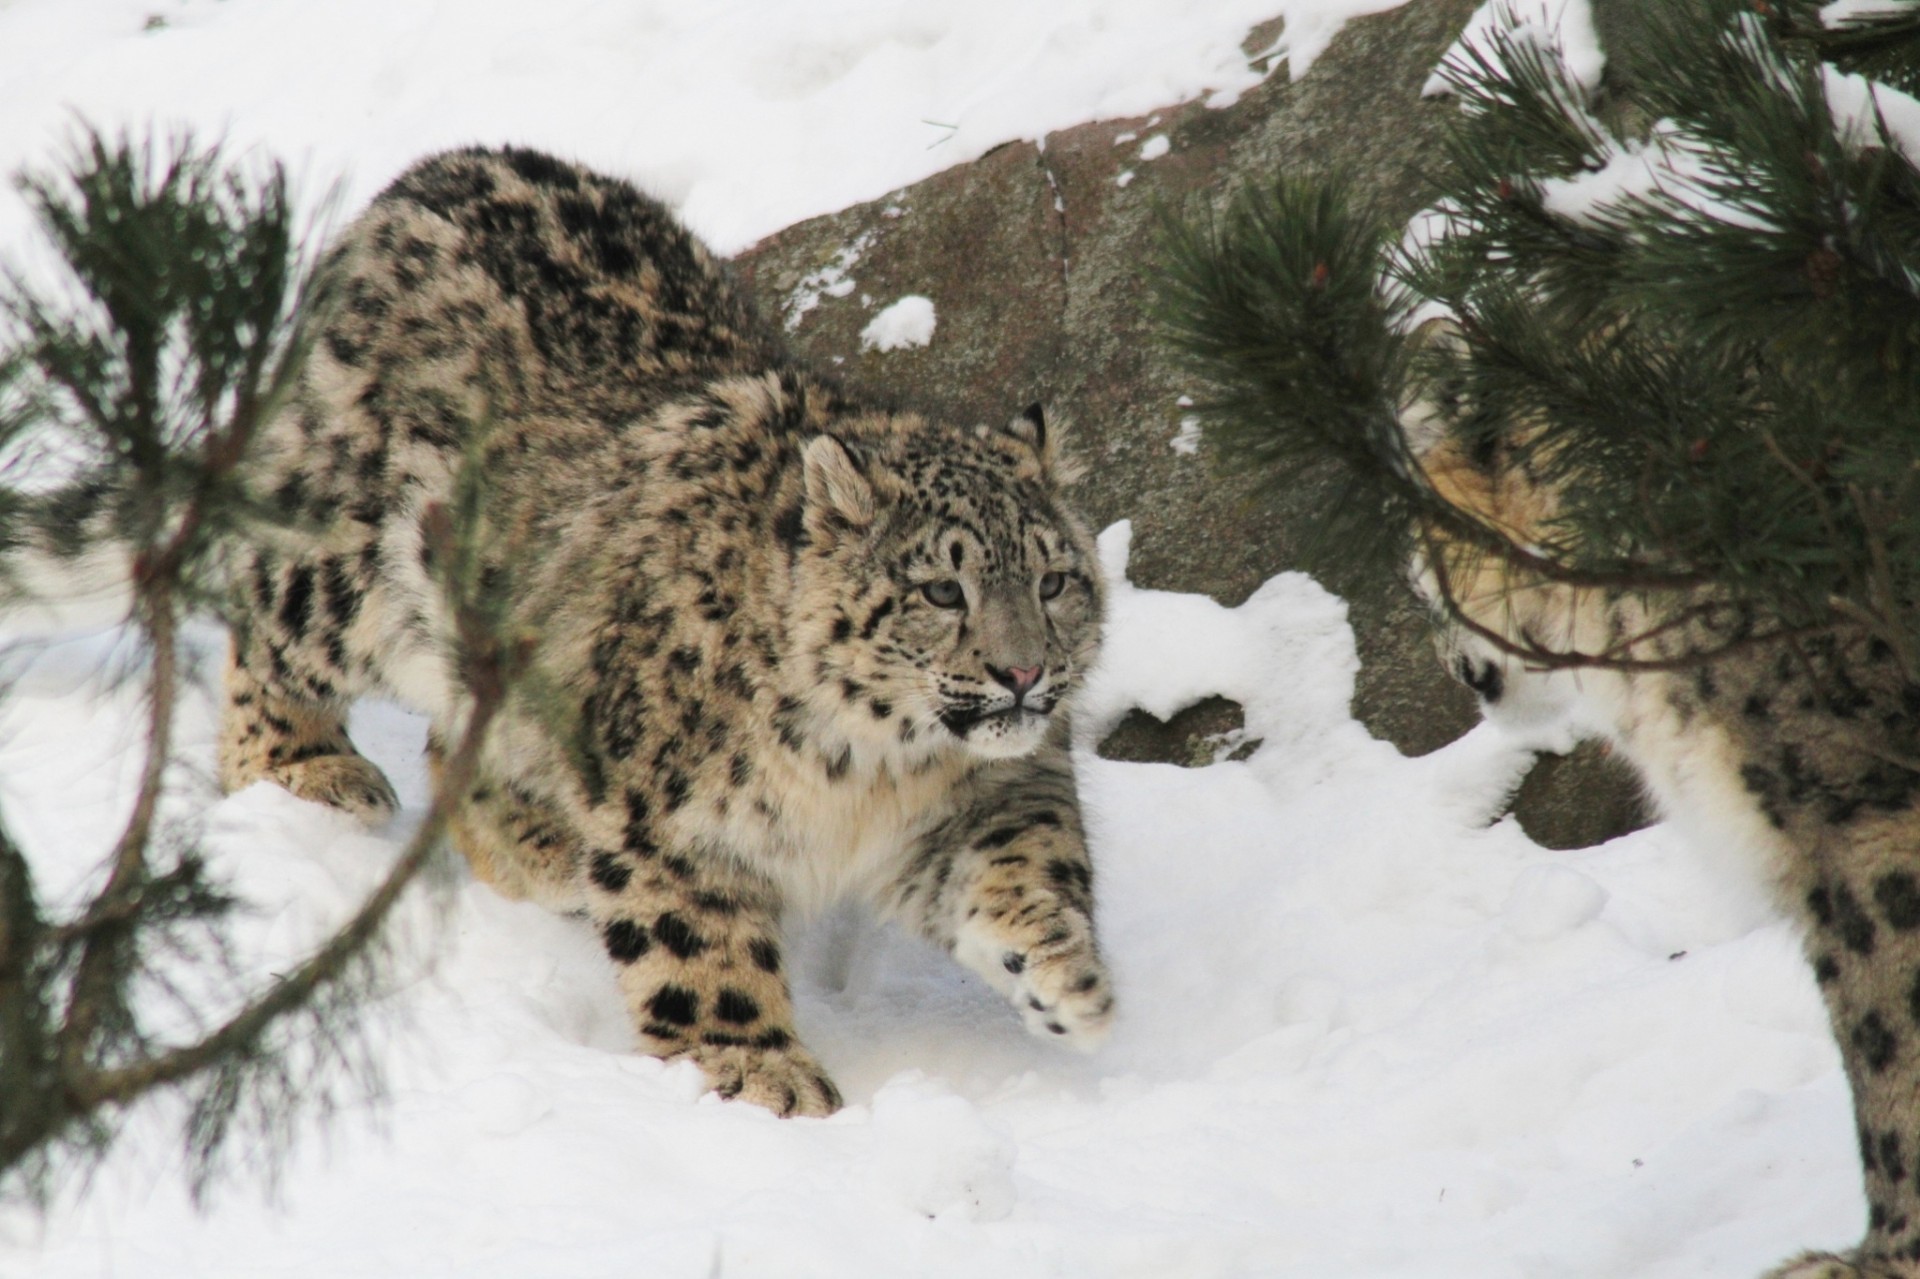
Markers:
695,942
283,726
1006,885
1861,907
516,842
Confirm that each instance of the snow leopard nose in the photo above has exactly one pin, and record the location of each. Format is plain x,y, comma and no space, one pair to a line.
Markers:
1017,678
1484,679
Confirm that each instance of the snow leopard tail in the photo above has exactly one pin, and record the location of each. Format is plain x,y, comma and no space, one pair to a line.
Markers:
63,566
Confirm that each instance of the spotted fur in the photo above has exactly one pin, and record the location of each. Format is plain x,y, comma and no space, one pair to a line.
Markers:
1801,758
801,647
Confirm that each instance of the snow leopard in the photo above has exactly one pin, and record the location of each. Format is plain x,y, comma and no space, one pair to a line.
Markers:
1800,756
794,645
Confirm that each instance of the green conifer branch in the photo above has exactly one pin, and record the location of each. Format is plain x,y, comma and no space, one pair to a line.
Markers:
1716,372
190,313
1276,305
1881,46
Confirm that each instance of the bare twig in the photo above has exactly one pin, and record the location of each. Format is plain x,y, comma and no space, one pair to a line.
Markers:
1541,657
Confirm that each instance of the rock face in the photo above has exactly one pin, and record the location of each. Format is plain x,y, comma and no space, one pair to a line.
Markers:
1037,260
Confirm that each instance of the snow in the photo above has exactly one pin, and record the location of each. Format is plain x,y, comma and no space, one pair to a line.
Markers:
1842,12
1630,171
1155,147
906,323
1861,106
830,281
1307,29
746,115
1367,1027
1564,24
1187,440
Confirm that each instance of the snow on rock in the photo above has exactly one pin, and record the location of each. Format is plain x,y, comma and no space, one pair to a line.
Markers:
1155,147
1166,651
1564,24
1305,32
1186,441
907,323
831,280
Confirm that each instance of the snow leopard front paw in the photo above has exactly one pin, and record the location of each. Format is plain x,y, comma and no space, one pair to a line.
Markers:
1049,967
786,1080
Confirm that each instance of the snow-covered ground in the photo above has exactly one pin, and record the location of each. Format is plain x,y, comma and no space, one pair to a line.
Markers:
1367,1029
747,115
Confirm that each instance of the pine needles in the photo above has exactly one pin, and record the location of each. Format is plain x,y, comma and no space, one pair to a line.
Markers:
1275,303
187,311
1705,337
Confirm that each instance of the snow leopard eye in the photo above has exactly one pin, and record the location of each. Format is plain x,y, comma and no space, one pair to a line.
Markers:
1051,584
945,593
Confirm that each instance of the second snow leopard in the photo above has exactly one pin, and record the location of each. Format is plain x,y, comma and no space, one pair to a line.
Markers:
807,647
1799,754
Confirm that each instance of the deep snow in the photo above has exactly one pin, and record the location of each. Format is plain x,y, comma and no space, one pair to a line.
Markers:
1364,1033
1367,1028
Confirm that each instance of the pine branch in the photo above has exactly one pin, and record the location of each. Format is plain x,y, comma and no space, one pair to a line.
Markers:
1713,370
1523,118
194,317
297,989
27,1071
1620,655
1274,306
1883,46
1811,238
108,956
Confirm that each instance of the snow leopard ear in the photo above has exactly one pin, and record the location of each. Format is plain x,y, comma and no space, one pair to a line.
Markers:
836,489
1030,428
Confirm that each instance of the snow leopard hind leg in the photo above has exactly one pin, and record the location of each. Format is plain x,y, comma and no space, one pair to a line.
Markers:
694,939
289,683
514,841
1861,910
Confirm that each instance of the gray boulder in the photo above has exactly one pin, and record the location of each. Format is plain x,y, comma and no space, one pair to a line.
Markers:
1038,260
